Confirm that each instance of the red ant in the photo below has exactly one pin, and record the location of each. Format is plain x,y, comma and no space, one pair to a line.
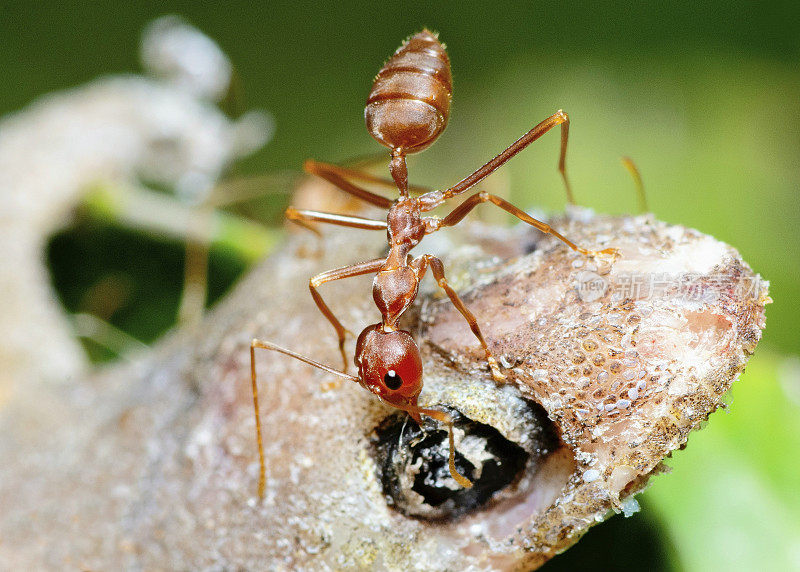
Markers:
406,111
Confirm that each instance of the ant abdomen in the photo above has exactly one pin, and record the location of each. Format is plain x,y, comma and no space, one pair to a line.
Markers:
409,103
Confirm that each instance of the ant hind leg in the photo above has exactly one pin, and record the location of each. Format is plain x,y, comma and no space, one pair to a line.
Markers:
328,171
435,198
262,472
628,163
337,176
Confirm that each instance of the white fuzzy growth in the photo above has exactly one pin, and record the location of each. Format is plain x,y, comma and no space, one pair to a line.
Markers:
591,475
182,55
630,506
114,130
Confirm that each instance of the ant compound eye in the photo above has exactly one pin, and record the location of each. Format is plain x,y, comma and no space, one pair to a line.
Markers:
392,380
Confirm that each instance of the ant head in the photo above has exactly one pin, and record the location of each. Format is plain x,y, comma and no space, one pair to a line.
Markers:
389,365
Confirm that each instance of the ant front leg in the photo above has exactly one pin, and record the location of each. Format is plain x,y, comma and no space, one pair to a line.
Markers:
420,265
458,214
337,274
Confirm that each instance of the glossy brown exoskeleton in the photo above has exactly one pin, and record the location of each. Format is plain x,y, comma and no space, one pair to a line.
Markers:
407,109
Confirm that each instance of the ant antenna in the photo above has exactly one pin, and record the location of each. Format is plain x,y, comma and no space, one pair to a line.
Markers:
270,346
628,163
402,430
262,476
412,409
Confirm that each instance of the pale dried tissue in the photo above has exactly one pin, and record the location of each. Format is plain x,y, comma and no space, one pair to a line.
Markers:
154,465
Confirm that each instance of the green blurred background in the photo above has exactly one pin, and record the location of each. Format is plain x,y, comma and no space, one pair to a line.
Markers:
705,98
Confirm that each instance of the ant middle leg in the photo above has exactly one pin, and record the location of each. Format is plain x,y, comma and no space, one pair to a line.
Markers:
457,214
421,264
338,274
305,217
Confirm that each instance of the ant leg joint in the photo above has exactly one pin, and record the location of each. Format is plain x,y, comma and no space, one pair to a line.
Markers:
607,253
497,375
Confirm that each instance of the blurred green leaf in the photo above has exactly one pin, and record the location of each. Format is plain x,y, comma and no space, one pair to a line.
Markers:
733,499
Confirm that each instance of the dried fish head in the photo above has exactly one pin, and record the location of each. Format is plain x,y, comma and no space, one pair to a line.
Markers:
610,366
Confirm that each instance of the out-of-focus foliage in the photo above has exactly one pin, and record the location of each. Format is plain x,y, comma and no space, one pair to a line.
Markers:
703,96
731,502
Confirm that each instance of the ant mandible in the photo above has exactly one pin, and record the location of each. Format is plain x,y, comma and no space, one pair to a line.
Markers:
407,109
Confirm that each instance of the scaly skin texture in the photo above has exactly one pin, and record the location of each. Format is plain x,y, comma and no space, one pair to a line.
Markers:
153,465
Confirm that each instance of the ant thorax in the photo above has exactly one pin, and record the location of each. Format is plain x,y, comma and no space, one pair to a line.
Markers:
393,292
395,285
404,222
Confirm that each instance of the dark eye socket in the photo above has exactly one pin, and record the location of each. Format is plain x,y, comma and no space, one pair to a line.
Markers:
392,380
